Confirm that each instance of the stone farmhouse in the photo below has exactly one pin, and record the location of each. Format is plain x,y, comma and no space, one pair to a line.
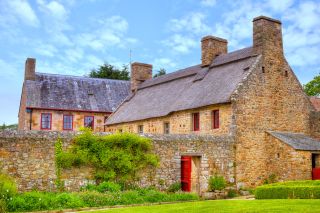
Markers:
249,98
66,103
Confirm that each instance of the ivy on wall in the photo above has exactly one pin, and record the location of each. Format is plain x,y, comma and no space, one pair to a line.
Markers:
120,157
58,152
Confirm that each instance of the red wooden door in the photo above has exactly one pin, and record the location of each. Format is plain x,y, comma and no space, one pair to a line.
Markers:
186,173
316,174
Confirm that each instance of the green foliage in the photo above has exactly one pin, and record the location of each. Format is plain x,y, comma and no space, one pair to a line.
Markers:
12,126
110,72
160,72
3,206
58,164
217,183
232,193
271,179
104,187
8,187
289,190
118,158
312,88
37,201
175,187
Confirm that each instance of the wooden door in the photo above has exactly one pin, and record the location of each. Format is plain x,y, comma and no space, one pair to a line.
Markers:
186,173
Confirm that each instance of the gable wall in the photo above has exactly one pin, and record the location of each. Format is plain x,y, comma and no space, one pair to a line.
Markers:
57,119
266,101
181,122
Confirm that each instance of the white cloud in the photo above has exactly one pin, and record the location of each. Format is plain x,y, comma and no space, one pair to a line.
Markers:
180,44
279,5
191,23
208,3
74,55
109,32
15,11
7,70
159,63
45,49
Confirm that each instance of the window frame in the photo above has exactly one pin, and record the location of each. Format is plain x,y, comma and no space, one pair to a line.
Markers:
164,128
140,132
194,121
50,122
215,119
63,127
84,121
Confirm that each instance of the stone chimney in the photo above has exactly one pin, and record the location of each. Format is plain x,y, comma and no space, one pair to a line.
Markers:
211,47
30,69
139,73
267,36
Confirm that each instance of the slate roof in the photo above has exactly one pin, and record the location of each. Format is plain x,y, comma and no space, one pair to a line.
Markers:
315,102
65,92
297,141
189,88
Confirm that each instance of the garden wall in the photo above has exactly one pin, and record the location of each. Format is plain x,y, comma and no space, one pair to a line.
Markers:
28,156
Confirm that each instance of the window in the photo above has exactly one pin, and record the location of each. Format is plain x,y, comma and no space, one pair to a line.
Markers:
215,119
140,129
46,121
89,121
166,128
196,121
67,122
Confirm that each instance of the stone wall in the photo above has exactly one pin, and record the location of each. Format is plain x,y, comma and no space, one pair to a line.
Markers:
285,162
57,119
181,122
315,124
29,158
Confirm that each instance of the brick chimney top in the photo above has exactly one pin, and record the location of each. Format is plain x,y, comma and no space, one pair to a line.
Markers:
139,73
211,47
30,69
266,18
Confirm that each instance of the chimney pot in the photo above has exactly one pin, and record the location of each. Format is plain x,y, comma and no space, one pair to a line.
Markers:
211,47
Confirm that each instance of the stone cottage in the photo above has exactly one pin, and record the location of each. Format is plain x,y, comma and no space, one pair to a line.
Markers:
247,107
66,103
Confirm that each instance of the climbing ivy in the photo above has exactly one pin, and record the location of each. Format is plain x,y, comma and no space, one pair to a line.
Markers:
120,157
58,152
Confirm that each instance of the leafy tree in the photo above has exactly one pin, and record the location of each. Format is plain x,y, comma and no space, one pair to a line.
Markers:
111,72
160,72
313,87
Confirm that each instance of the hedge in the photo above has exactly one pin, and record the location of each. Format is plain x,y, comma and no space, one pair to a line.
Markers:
289,190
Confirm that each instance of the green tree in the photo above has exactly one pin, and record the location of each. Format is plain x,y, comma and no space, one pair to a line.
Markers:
160,72
312,88
111,72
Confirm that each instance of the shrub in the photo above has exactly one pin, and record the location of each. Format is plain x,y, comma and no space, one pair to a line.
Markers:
104,187
232,193
8,187
217,183
271,179
289,190
175,187
119,157
3,207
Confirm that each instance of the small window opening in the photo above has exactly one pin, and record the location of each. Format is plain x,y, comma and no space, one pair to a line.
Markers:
196,121
140,129
215,119
166,128
263,71
286,73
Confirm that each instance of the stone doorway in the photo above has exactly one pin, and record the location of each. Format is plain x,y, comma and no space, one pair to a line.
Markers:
190,173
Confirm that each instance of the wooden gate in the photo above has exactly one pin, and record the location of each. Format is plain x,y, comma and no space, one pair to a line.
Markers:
186,173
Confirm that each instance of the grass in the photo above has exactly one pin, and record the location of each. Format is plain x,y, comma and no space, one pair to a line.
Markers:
226,206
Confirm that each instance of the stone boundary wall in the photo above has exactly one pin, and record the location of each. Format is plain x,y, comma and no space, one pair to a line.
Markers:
28,156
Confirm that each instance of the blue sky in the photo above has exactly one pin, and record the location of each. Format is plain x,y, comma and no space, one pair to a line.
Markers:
74,36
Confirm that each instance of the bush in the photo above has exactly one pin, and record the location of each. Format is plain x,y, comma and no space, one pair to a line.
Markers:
119,158
289,190
232,193
174,187
104,187
217,183
3,207
8,187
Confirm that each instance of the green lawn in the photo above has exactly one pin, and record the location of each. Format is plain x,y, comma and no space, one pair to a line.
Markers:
227,206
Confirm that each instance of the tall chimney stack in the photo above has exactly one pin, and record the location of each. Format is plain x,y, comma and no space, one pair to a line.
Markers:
139,73
267,36
30,69
211,47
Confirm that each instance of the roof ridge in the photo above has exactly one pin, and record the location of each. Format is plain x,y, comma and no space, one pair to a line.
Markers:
83,77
